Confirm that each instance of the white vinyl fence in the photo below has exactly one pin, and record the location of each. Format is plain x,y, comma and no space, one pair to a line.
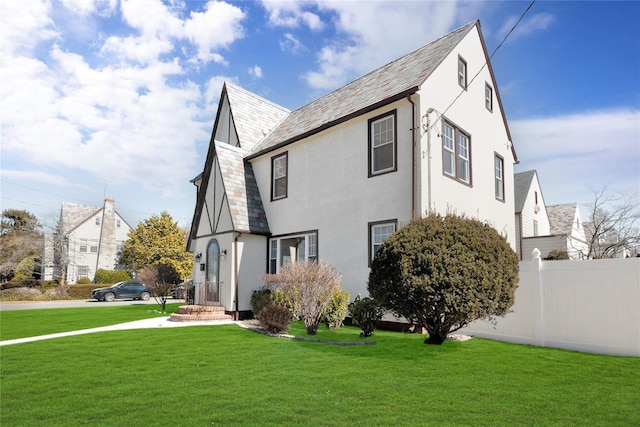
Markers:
590,305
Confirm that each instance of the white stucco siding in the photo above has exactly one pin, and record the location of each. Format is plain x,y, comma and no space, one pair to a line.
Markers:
329,190
488,137
252,259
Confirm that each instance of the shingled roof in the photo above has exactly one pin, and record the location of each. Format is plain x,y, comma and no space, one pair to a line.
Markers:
72,215
394,81
253,116
241,188
521,184
561,218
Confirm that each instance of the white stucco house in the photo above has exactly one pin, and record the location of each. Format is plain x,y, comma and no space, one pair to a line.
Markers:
93,238
332,179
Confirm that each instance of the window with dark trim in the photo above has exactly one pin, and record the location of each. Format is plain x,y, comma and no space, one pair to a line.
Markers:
279,174
379,232
382,144
499,177
290,248
488,97
462,72
456,153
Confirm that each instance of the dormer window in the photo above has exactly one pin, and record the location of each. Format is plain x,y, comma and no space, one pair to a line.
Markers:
462,72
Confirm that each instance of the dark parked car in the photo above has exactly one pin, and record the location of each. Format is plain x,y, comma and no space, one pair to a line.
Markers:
129,289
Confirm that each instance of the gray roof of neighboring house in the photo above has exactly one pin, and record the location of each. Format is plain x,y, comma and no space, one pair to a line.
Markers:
241,188
397,79
561,217
522,184
253,116
72,215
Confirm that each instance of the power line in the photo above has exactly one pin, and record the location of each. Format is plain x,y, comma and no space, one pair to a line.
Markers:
486,62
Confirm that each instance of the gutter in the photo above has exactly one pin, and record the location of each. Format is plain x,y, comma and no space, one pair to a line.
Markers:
235,272
335,122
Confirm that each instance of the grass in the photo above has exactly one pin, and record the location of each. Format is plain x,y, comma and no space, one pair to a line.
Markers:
206,375
29,323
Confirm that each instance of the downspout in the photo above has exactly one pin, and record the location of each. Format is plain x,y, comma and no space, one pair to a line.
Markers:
414,173
429,111
235,272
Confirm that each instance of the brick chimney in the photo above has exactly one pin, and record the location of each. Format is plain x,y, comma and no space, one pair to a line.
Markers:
107,251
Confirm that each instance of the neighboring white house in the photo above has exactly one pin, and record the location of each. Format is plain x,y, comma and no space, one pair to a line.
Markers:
532,220
93,238
332,179
568,229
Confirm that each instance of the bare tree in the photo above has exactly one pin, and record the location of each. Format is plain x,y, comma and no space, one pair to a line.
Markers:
160,278
312,284
614,224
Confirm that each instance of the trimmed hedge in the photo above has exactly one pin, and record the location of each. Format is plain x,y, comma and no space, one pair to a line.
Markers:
82,291
111,276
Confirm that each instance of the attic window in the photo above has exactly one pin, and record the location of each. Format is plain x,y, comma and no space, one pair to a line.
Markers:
488,97
462,72
382,144
97,220
279,166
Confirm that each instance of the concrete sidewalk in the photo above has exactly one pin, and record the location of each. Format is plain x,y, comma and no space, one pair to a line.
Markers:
155,322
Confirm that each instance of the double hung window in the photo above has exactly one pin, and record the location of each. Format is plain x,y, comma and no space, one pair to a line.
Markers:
488,97
382,144
456,153
499,177
279,173
378,233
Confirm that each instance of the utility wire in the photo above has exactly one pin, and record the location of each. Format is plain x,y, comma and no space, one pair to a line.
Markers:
486,62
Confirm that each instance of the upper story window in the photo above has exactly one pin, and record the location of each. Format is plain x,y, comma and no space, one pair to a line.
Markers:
378,233
499,177
97,220
456,153
488,97
462,72
83,246
292,248
118,223
382,144
535,227
279,174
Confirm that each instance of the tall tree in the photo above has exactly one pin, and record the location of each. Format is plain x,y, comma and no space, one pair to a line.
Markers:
614,224
157,241
20,238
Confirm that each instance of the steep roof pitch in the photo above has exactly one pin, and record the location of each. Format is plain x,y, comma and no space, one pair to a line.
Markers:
394,81
522,184
253,116
241,188
73,215
561,217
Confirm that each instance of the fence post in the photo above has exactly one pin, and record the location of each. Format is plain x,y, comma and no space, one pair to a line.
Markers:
538,298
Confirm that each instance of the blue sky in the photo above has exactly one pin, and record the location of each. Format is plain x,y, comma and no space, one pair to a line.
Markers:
118,98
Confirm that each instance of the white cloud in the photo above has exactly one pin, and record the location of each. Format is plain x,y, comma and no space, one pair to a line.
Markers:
577,152
528,25
35,176
290,43
25,25
255,71
368,37
217,27
291,14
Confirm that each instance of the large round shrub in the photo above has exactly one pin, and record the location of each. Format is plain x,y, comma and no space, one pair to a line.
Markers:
443,272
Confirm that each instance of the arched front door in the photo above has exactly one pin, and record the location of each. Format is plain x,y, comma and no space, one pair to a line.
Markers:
212,286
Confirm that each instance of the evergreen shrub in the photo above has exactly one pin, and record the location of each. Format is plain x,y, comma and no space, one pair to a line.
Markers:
365,312
337,309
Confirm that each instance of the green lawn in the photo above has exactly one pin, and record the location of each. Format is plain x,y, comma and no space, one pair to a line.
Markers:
29,323
225,375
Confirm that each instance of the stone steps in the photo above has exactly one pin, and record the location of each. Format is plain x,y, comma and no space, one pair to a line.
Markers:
190,313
